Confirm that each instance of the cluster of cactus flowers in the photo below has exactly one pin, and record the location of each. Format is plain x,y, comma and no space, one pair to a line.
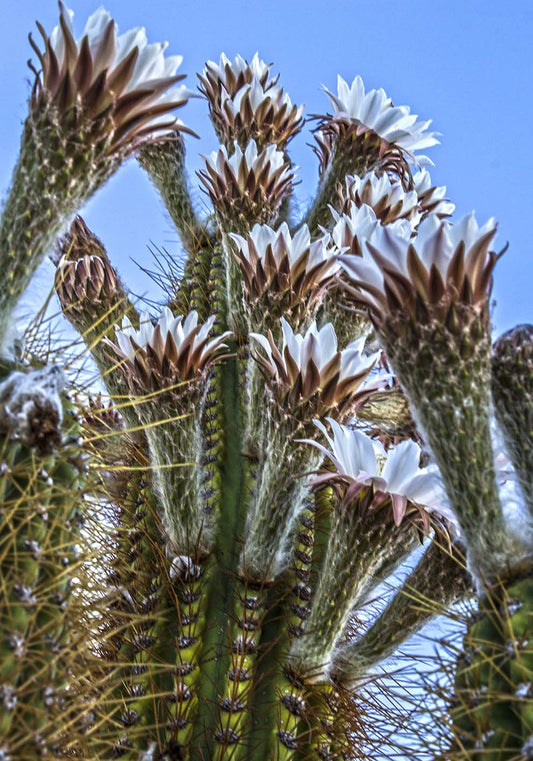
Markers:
183,568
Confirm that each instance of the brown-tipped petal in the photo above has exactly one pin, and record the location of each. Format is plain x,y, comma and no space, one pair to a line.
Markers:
83,71
106,51
418,273
456,268
121,74
71,49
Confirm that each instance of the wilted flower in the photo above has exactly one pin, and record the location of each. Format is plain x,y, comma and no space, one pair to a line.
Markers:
31,409
278,268
388,198
431,198
174,349
444,264
249,185
360,461
310,368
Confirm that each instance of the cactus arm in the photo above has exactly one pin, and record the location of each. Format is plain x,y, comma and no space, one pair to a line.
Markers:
439,579
220,595
164,162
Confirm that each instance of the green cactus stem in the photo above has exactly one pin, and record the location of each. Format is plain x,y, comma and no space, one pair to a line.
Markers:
492,711
439,579
512,391
41,552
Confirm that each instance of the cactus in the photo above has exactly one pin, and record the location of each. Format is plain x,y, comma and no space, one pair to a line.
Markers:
42,552
257,471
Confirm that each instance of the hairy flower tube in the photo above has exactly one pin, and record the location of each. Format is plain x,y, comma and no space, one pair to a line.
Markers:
381,497
283,272
96,99
429,300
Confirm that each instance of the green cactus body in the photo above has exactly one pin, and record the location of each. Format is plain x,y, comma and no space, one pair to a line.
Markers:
153,637
43,195
512,391
493,712
41,551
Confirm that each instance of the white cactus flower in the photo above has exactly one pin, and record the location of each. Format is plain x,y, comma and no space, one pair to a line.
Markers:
440,257
312,364
100,69
432,198
373,110
174,348
276,262
241,163
231,75
361,461
359,225
388,198
248,184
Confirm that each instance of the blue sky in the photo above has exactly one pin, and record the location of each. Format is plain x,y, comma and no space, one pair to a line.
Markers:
463,63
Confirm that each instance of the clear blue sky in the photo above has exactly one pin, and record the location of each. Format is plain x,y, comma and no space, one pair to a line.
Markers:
466,64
